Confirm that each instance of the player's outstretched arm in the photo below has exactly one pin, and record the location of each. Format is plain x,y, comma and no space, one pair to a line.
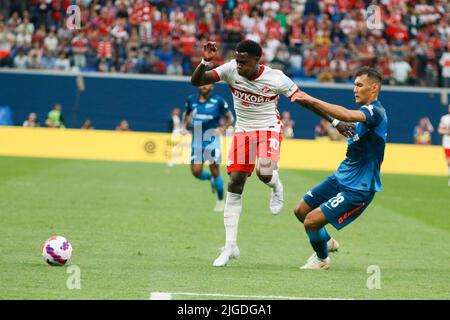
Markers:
200,76
333,110
347,129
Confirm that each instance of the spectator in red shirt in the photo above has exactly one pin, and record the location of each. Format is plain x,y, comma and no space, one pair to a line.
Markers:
105,48
424,21
187,43
274,29
233,33
79,49
309,28
40,35
161,27
310,66
190,15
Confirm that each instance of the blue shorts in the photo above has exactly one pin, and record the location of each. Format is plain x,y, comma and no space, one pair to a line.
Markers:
210,151
340,204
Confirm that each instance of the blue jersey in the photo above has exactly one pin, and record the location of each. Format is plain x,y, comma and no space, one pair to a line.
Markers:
208,113
365,152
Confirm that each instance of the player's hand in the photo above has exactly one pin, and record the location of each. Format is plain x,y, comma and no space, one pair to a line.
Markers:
301,97
347,129
209,50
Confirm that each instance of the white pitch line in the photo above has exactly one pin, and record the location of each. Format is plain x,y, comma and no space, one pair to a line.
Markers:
168,296
160,296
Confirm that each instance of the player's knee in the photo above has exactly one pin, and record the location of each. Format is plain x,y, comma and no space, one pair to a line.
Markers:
196,172
265,178
299,214
301,210
311,224
235,186
237,182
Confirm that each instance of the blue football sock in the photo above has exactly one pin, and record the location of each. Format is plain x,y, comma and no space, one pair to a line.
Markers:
205,175
318,240
327,235
218,183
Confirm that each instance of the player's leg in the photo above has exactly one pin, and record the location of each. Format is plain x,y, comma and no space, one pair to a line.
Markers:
340,211
241,163
267,172
198,171
265,169
217,181
301,211
197,163
268,151
231,215
314,224
312,200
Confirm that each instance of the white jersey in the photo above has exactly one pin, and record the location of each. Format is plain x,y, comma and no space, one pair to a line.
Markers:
256,100
445,124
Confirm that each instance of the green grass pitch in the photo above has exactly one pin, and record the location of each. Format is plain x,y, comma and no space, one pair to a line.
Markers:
138,228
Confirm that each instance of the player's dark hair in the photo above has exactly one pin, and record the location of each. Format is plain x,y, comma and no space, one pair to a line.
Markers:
371,73
250,47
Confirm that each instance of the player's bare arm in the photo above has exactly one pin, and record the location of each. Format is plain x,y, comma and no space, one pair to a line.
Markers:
347,129
228,122
184,120
200,76
333,110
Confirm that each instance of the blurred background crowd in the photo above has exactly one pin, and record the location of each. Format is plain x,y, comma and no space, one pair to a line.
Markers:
312,40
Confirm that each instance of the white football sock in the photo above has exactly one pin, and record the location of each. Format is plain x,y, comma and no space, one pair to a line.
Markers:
274,183
232,211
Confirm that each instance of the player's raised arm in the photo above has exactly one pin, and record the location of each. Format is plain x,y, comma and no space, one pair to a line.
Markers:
200,76
333,110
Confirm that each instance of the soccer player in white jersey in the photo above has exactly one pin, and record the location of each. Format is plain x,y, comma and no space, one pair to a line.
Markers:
444,129
257,138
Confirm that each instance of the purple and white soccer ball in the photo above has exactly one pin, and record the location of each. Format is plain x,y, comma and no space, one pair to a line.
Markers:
57,251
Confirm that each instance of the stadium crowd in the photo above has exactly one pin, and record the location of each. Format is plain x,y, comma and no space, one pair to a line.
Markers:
321,40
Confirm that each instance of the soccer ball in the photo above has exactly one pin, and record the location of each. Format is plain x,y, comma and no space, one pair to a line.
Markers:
57,251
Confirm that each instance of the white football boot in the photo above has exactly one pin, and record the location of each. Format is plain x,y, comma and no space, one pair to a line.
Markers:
276,200
226,255
315,263
332,246
220,206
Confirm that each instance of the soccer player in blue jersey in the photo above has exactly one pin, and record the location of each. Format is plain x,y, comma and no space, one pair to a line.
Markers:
206,109
343,196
